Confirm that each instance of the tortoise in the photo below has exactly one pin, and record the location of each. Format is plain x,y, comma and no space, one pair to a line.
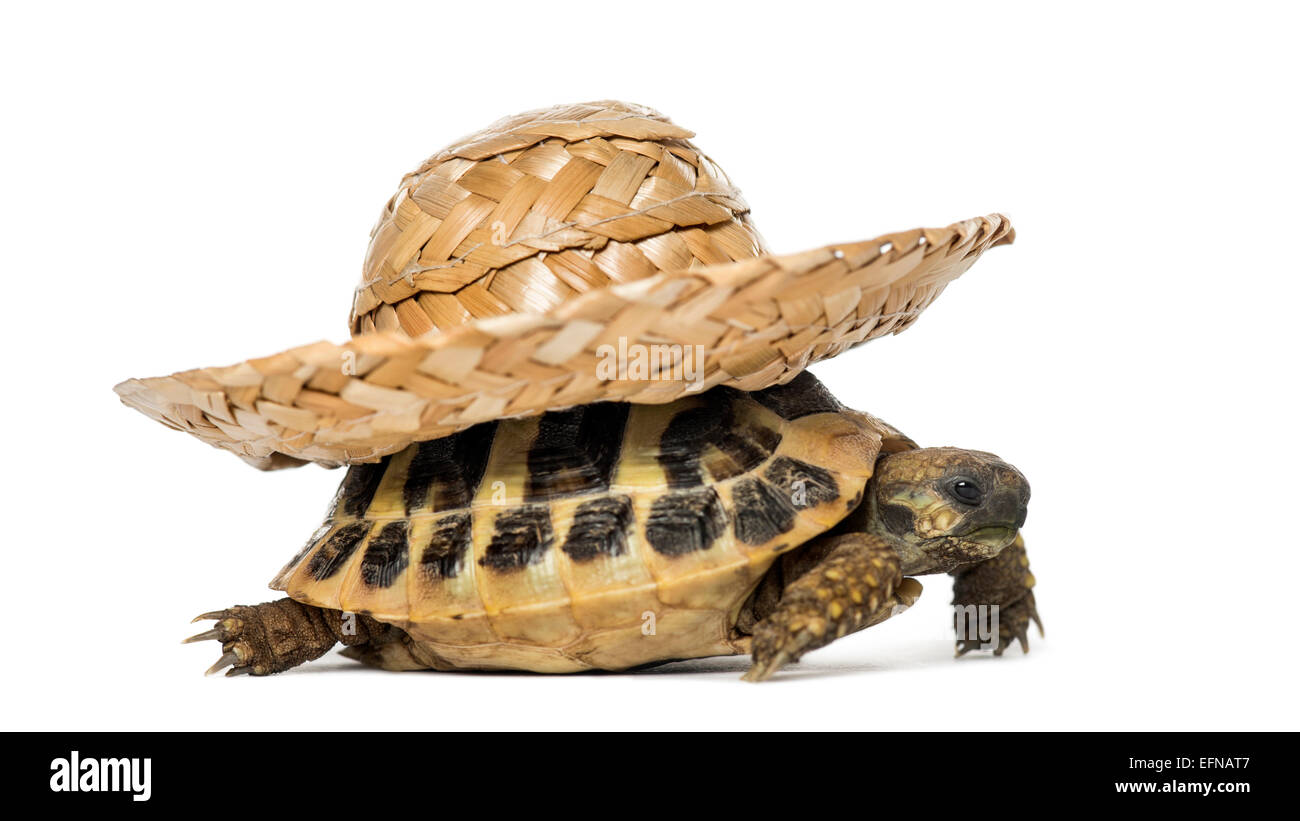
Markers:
613,536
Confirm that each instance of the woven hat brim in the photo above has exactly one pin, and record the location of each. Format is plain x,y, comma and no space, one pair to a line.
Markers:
759,321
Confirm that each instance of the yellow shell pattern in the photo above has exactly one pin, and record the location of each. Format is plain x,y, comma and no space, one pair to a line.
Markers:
604,536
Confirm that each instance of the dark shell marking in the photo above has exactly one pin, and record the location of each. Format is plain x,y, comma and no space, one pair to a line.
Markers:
599,528
801,396
359,486
575,451
806,485
685,521
760,511
446,551
338,548
738,447
451,467
522,536
386,556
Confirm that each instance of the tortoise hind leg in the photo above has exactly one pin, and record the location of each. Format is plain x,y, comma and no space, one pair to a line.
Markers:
275,636
855,584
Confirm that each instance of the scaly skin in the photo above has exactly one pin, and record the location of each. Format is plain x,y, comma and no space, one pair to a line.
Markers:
1003,582
858,584
274,636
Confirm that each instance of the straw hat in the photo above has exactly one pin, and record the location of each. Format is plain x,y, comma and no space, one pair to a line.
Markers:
562,256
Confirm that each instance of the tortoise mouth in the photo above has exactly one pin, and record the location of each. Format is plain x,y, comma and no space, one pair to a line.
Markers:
992,536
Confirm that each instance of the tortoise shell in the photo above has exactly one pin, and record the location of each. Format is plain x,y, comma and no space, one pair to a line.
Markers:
607,535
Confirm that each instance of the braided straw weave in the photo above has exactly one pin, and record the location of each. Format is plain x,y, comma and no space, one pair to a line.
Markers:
507,261
542,206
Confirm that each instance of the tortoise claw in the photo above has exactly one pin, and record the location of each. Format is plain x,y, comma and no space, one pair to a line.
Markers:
1013,628
227,630
762,671
228,658
215,614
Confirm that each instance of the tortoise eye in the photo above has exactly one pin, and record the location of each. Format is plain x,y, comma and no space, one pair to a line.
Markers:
967,491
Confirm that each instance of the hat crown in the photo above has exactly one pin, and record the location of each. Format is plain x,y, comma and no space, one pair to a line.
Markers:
540,207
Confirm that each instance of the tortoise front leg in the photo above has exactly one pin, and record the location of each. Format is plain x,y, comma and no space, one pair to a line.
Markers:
272,637
1002,582
855,585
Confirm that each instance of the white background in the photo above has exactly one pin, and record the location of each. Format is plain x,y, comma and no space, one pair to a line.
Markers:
186,187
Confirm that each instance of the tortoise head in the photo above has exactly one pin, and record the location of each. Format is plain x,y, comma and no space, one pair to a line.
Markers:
945,507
